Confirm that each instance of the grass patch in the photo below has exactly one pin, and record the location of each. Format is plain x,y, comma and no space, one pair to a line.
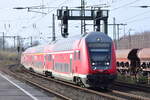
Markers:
132,79
143,80
7,57
125,78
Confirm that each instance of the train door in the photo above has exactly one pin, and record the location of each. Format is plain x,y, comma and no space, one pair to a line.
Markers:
76,61
53,62
70,63
45,62
48,62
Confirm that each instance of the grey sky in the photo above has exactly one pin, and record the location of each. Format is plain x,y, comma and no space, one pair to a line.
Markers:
20,22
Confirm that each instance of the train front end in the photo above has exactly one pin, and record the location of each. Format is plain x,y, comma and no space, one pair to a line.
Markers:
101,60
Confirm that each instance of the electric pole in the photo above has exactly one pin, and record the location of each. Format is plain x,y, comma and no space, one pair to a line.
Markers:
130,40
42,7
14,41
53,30
3,41
116,35
31,41
82,15
114,30
18,44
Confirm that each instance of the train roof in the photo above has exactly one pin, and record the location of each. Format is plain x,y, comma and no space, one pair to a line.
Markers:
72,42
69,43
94,36
65,44
34,49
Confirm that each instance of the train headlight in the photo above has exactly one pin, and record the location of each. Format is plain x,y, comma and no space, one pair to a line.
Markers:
93,63
94,68
107,63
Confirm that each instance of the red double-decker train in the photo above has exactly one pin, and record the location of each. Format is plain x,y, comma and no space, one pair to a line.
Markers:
88,60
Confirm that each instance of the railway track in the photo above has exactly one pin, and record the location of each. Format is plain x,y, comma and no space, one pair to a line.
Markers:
69,91
113,93
135,89
37,85
133,86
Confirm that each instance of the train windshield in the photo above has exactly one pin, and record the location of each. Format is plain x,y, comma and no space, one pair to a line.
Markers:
100,55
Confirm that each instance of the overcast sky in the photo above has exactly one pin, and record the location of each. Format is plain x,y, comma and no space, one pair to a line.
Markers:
20,22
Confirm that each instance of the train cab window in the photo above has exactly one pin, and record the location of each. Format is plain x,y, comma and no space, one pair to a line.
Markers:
77,55
100,55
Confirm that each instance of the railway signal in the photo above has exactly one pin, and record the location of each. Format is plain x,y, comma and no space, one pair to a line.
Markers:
18,49
95,14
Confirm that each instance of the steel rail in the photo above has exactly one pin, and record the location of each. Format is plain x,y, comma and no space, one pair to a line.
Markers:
131,96
113,95
39,86
133,86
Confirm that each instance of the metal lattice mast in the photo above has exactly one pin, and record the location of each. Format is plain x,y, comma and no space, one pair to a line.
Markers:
82,15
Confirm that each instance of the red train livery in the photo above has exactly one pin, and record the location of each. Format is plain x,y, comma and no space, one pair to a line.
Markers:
88,60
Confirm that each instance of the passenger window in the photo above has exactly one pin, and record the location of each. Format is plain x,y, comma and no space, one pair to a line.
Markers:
49,57
45,57
79,55
74,55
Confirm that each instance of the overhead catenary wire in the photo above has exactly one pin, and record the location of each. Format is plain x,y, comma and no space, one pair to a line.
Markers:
37,20
116,1
140,19
127,4
135,16
43,16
